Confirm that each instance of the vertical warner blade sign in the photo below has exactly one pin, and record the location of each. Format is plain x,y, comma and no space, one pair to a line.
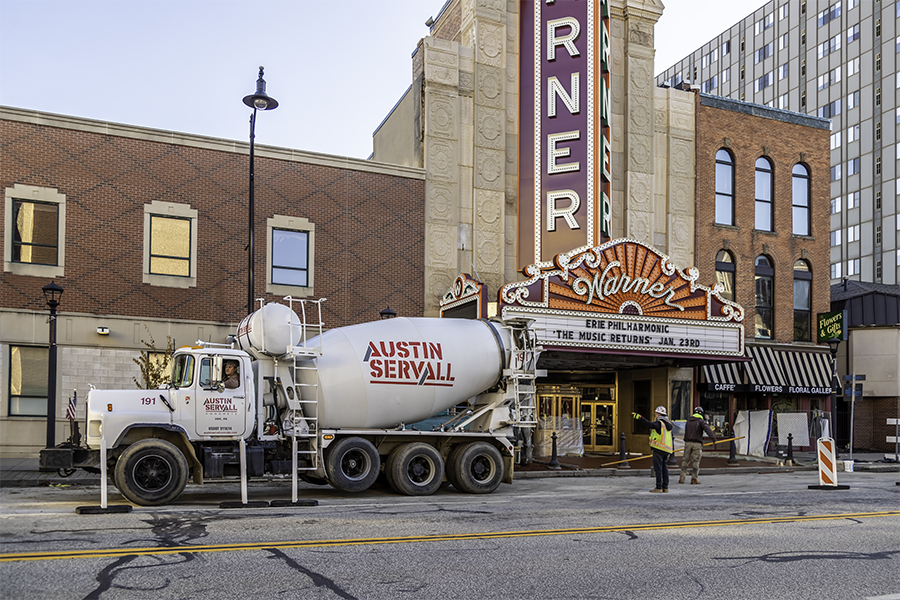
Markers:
564,137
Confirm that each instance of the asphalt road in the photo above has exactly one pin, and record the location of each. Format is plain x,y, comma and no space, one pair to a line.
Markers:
732,537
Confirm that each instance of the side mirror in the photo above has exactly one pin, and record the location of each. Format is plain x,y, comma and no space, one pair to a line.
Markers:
216,370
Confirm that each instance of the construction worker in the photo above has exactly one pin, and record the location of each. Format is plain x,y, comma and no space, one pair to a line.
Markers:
663,447
693,445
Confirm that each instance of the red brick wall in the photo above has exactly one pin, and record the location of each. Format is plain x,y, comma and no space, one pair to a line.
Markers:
369,227
787,144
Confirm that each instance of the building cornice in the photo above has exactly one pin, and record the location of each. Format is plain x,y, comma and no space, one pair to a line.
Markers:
161,136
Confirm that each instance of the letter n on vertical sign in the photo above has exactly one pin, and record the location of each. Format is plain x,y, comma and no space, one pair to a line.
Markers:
564,146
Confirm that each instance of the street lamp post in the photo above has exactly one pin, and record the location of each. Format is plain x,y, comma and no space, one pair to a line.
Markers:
833,344
52,294
257,101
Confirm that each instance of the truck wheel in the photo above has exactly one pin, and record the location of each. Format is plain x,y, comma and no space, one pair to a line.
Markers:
476,468
151,472
415,469
352,464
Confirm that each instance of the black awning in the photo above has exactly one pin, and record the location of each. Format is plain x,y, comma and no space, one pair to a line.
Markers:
807,372
764,373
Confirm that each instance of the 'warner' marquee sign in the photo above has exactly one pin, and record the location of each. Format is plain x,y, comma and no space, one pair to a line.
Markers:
627,296
564,149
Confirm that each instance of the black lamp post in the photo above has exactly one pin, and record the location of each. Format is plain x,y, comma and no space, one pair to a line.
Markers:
257,101
388,313
52,294
833,344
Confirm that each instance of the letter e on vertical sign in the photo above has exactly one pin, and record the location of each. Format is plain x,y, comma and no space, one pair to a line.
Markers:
564,137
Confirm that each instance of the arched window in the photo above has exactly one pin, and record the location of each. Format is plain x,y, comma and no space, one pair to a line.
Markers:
802,301
725,273
724,187
764,193
765,297
800,199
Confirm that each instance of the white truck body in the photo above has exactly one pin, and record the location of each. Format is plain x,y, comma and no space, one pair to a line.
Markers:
334,407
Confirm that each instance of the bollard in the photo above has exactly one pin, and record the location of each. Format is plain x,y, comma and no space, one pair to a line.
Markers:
790,450
732,459
554,461
622,465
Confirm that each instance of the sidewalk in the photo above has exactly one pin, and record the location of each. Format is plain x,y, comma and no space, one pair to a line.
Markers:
24,472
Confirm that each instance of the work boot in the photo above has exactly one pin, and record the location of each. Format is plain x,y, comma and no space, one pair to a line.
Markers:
681,479
656,491
695,481
665,490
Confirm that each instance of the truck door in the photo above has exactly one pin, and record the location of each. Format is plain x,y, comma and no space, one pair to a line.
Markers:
220,410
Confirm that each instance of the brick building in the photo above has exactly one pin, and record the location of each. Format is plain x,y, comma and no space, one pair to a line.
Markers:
146,232
762,227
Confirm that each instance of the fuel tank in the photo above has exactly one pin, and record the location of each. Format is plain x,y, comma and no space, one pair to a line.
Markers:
402,370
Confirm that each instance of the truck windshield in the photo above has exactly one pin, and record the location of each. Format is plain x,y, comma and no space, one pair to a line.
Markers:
183,371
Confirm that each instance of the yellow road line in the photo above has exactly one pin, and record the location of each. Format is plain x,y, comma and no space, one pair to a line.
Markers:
118,552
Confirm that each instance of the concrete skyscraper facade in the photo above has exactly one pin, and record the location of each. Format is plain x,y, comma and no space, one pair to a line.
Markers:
837,60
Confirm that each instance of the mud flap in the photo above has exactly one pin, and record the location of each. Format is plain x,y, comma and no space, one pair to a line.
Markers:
508,467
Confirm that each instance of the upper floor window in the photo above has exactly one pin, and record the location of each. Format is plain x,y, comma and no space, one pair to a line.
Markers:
764,52
764,23
725,274
170,245
764,191
802,301
28,381
800,199
765,297
724,187
782,11
35,231
829,14
291,243
853,33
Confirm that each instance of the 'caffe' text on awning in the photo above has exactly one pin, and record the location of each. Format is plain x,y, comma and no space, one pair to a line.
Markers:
408,363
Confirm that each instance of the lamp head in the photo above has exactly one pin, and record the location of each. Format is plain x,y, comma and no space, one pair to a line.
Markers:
260,100
52,293
388,313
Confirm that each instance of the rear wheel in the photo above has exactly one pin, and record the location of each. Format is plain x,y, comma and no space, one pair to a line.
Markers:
151,472
352,464
476,468
415,469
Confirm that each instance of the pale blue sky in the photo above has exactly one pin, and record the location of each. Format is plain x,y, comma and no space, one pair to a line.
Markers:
335,66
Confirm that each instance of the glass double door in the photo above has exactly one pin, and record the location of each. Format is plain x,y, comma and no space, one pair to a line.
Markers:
598,426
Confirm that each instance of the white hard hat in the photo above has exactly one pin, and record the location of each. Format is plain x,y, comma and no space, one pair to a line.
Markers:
661,410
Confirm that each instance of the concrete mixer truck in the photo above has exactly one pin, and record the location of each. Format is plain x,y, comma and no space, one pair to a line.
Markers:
285,396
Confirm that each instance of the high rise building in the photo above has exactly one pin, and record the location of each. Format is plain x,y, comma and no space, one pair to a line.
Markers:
836,60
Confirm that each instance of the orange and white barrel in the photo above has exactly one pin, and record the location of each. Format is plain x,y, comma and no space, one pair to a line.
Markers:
827,461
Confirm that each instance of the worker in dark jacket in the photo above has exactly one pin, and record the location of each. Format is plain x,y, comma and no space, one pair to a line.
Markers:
663,446
693,445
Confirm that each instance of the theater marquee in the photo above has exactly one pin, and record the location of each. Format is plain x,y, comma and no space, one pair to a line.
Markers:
564,142
624,295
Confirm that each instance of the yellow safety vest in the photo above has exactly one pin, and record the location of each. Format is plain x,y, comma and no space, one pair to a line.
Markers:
663,439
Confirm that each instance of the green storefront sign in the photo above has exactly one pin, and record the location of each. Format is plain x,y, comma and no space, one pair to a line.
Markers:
831,326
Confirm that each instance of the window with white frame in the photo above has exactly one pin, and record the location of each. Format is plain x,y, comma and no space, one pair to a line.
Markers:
829,46
835,172
763,53
726,47
853,200
898,251
836,205
800,200
28,370
852,133
852,66
852,100
170,245
898,220
783,71
830,110
34,231
784,41
836,271
852,267
726,74
291,256
836,238
836,140
853,233
764,23
724,187
829,14
763,82
831,77
710,84
782,11
853,166
764,192
853,33
783,102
